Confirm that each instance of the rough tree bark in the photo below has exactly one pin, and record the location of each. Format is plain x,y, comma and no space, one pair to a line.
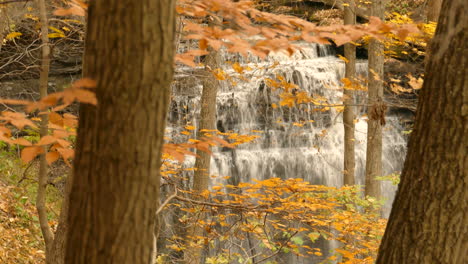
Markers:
429,218
207,121
348,113
129,52
376,108
57,252
433,10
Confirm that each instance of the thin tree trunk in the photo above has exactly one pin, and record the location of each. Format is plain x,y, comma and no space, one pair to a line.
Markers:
57,254
376,108
207,121
433,10
201,178
3,24
429,218
348,113
129,52
43,166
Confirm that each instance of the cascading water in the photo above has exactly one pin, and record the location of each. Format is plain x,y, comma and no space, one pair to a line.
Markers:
312,150
304,141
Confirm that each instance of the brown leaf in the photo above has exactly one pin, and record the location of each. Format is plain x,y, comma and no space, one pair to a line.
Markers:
21,142
75,10
185,59
222,142
84,83
63,143
14,102
66,153
203,44
52,156
29,153
5,131
46,140
55,118
80,95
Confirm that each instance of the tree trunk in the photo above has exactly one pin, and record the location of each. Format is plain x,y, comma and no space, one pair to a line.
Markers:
201,177
376,108
348,114
207,121
57,252
129,52
43,167
3,24
433,10
429,218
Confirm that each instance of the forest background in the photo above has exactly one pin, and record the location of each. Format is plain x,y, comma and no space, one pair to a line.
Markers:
342,214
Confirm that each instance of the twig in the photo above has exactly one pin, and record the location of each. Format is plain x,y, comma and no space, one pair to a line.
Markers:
13,1
174,195
277,251
184,199
24,176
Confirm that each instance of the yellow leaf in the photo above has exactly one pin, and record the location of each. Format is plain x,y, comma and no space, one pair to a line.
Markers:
237,67
13,35
343,58
55,35
189,127
339,108
56,30
219,74
35,18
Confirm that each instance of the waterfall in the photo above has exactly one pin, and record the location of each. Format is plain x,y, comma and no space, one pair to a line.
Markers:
313,151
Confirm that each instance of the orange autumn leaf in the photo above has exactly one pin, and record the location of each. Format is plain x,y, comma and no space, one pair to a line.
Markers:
80,95
52,156
29,153
46,140
55,118
14,102
63,143
84,83
66,153
21,142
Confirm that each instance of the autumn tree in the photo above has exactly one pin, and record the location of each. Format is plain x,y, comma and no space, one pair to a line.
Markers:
428,222
54,241
376,108
130,53
43,167
348,113
207,121
206,124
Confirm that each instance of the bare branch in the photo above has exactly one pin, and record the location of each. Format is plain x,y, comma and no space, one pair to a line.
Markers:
13,1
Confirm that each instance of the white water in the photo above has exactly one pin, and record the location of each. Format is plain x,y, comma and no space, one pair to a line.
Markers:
284,150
